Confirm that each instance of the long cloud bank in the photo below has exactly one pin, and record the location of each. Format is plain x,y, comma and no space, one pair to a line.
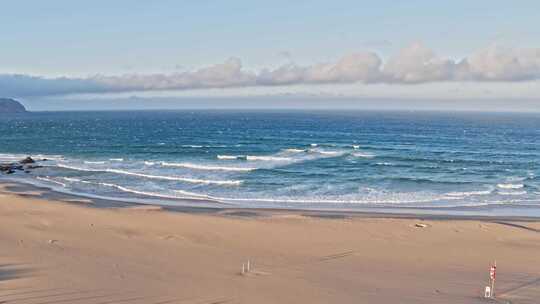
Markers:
412,65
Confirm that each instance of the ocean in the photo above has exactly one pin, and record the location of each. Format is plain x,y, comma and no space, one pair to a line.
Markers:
350,160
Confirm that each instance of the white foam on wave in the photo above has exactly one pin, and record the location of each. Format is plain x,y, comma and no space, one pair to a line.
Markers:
469,193
149,176
94,162
362,155
149,163
61,165
199,196
288,156
268,158
395,199
392,199
50,180
510,186
72,179
205,167
327,152
325,200
331,153
145,193
229,157
176,178
192,146
189,195
294,150
355,147
116,159
512,192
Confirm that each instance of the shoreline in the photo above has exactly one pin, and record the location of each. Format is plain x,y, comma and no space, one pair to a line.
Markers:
37,192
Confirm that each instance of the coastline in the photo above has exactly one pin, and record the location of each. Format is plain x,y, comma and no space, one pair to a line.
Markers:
490,213
60,250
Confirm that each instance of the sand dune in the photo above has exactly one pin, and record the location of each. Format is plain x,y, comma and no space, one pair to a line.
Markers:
55,252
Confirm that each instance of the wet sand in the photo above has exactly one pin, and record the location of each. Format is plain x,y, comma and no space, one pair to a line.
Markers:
58,250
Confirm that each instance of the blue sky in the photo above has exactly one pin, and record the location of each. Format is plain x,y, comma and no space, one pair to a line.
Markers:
81,39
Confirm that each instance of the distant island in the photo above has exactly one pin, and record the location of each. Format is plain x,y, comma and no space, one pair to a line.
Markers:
8,106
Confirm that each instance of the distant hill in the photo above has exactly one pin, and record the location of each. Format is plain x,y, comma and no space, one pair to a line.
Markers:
8,105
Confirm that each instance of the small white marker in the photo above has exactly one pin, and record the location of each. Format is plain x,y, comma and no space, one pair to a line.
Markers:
487,292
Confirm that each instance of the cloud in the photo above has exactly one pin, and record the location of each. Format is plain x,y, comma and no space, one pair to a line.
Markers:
412,65
500,64
359,67
418,64
224,75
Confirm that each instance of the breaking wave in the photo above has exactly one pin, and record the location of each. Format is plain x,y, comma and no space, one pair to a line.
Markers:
510,186
363,155
512,192
94,162
122,188
50,180
204,167
228,157
268,158
161,177
469,193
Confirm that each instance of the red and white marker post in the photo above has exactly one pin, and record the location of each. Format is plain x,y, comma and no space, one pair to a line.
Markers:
492,277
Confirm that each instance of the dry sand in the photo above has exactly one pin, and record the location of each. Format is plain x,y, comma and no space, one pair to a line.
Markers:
56,252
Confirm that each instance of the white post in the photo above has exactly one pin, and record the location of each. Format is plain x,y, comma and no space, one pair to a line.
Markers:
243,268
248,266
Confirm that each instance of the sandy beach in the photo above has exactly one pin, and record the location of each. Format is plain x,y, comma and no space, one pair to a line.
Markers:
59,252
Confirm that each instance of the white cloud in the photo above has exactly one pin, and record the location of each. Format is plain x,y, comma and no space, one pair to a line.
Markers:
415,64
224,75
500,64
418,64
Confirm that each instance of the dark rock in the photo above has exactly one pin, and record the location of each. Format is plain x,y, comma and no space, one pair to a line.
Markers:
27,160
9,106
5,167
25,165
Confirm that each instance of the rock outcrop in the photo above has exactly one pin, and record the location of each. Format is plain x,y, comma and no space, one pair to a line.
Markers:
11,106
25,165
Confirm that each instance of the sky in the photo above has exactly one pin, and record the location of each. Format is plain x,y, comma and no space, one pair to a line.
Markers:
77,54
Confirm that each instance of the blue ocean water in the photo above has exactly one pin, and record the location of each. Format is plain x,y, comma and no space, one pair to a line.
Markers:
294,159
